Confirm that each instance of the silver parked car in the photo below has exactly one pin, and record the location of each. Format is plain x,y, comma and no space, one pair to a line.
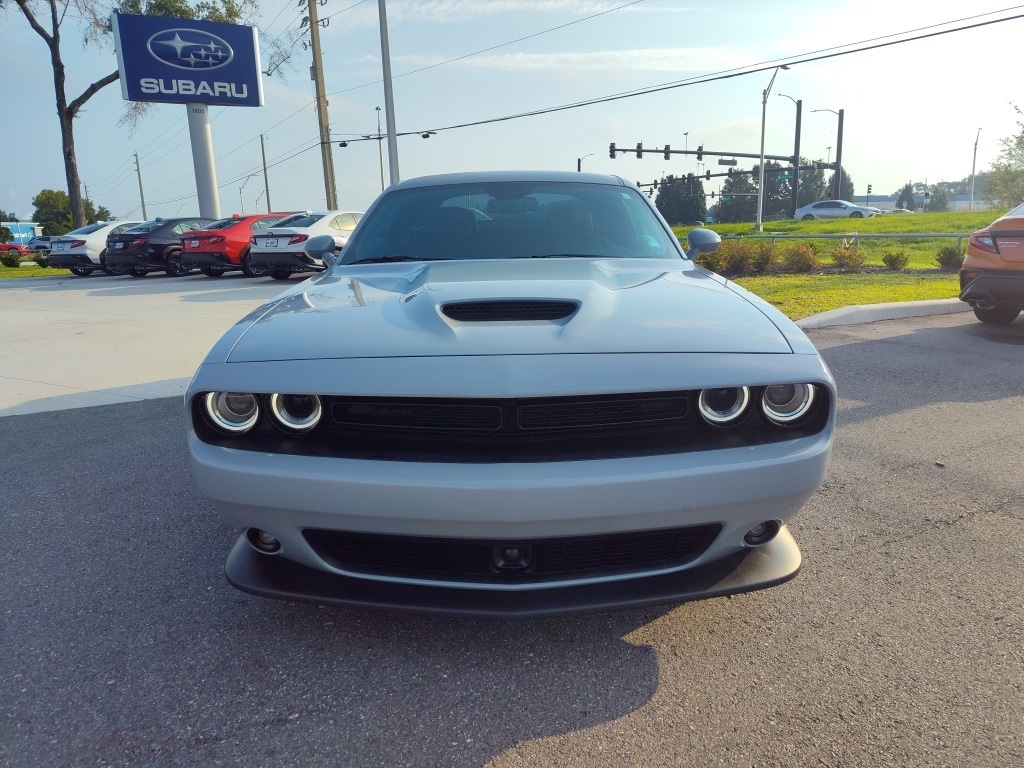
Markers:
513,393
279,250
835,209
84,250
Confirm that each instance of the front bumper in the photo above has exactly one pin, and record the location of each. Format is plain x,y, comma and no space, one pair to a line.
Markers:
275,577
998,287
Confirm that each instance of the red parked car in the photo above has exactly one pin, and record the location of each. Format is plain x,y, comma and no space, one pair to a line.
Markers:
17,248
223,245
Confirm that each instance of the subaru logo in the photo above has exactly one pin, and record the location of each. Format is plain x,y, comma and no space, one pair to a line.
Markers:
189,49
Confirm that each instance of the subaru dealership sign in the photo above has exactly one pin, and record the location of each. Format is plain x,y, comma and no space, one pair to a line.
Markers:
184,61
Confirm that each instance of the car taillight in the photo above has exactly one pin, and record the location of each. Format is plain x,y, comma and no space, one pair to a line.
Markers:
984,241
77,243
138,242
297,239
216,240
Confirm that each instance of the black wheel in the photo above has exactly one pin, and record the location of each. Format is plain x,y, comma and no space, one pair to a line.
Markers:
281,274
856,215
80,271
212,271
997,315
807,217
138,271
173,265
249,269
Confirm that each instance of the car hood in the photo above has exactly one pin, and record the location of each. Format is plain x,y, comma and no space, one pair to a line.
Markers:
397,310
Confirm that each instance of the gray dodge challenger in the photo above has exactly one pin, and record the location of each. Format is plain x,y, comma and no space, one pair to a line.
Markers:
511,394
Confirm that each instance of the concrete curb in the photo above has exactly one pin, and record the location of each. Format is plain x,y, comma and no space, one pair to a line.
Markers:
870,313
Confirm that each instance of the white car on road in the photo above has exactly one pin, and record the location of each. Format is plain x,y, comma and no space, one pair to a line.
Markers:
84,250
279,250
835,209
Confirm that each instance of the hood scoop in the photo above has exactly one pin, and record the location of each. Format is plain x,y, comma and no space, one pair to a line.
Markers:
509,310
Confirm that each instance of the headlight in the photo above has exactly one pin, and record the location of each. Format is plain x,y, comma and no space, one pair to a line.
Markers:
786,403
296,413
723,405
232,412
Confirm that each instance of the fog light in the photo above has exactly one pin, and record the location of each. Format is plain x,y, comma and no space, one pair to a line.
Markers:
263,541
762,533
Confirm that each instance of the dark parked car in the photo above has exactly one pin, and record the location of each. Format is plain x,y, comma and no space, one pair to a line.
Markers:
151,246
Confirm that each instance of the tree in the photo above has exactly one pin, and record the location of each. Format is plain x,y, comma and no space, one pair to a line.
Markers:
47,17
739,198
53,212
905,197
6,235
1006,186
939,200
846,191
812,184
8,216
681,199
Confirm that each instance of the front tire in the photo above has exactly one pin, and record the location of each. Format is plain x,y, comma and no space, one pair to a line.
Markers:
249,269
807,217
856,215
997,315
173,265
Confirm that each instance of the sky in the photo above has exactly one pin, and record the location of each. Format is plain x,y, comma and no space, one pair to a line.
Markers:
912,110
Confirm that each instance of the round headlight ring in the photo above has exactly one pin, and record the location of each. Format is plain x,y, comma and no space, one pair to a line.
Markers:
296,413
232,412
785,404
723,405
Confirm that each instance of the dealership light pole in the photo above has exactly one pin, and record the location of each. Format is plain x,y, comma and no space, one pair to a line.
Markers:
760,172
389,98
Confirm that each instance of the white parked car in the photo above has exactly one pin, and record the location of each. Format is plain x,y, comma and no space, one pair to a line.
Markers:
279,250
84,250
835,209
40,243
548,408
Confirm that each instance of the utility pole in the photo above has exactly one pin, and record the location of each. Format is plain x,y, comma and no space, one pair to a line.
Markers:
316,74
389,99
142,197
796,161
266,181
839,157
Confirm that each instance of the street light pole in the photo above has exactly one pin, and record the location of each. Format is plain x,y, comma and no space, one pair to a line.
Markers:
837,175
579,162
795,198
760,173
973,165
380,151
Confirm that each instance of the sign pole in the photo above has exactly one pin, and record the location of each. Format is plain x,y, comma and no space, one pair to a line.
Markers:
202,160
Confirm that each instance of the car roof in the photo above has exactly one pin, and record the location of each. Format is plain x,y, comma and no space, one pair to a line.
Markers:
477,177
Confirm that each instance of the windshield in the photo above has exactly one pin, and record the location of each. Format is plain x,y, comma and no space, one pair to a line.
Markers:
511,220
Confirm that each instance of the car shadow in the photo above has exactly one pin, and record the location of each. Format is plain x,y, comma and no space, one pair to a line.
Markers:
129,647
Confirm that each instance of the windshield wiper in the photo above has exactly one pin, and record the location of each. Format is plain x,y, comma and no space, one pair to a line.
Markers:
392,259
566,256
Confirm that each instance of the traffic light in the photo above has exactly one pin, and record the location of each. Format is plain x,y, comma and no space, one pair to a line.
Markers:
707,175
712,194
639,150
611,150
869,189
668,152
700,153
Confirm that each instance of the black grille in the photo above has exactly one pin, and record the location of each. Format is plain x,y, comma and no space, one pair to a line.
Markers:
475,430
490,311
473,560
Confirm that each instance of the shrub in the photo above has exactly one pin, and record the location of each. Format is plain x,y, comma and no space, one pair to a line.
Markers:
950,258
765,258
42,259
712,261
10,259
895,259
801,257
850,258
739,256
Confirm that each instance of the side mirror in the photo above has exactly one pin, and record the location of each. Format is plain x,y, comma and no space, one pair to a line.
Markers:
701,240
321,247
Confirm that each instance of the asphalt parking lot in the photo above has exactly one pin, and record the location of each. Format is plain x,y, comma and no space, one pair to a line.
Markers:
900,643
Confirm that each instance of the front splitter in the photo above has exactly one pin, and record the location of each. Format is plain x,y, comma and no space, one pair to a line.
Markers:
276,577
